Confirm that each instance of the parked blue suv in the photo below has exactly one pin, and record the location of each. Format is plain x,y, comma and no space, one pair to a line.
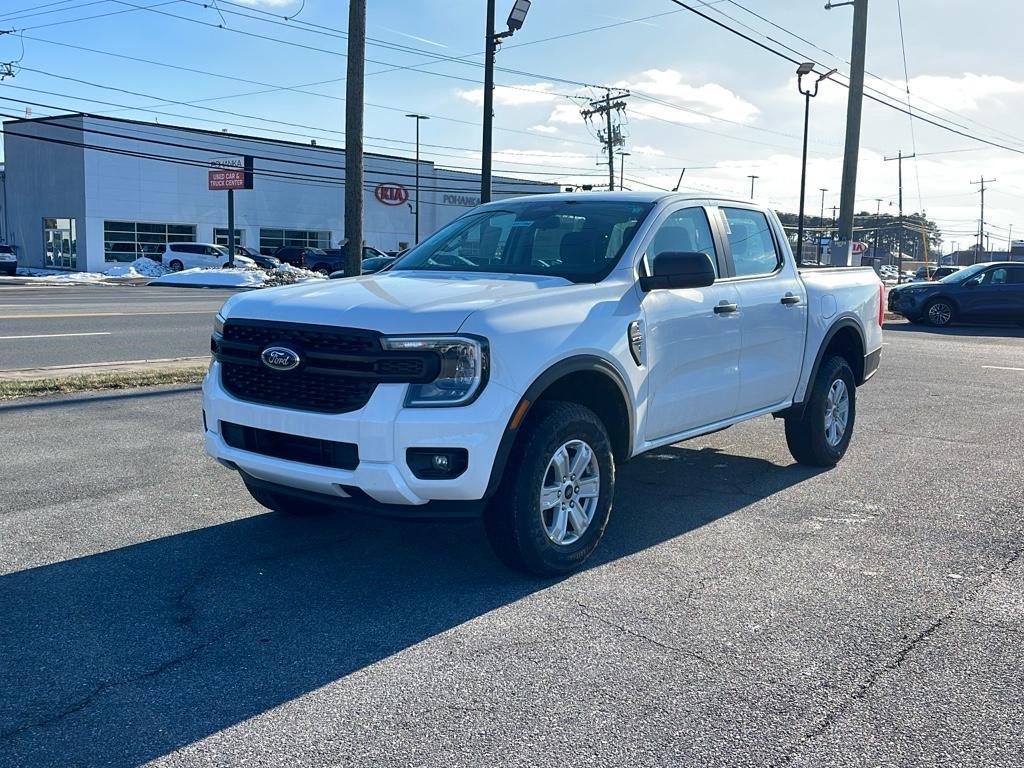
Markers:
991,291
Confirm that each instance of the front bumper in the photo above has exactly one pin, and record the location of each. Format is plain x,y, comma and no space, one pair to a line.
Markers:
907,304
383,430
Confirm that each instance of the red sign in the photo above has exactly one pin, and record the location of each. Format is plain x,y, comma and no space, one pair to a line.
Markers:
222,178
391,194
859,247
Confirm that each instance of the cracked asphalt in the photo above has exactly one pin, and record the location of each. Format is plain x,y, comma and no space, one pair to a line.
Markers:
742,610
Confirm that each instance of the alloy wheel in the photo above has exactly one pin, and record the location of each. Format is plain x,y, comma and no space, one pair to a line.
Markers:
569,492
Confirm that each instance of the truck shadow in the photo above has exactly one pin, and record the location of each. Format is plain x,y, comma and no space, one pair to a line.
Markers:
123,656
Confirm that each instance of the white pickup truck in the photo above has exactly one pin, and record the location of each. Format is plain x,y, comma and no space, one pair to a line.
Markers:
504,366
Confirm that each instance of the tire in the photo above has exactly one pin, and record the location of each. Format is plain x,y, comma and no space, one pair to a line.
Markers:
323,269
175,266
939,313
523,533
284,504
808,437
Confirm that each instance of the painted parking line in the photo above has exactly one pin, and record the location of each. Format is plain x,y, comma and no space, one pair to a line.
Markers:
57,335
1002,368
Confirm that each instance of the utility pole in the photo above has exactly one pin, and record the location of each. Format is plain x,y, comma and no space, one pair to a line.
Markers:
878,218
821,222
622,168
752,180
1009,242
900,157
611,136
981,220
492,40
354,136
853,113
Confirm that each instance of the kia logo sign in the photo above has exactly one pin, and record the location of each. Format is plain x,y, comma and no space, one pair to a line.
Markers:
391,194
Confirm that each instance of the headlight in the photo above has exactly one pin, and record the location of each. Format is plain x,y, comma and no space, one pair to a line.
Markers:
218,324
463,371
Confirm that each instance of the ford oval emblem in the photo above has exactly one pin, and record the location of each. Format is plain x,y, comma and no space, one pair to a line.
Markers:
280,358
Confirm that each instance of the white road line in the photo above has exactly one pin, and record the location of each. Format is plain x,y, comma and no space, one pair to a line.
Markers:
1002,368
58,335
209,312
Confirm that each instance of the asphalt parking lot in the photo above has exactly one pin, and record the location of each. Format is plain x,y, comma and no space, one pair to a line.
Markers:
741,610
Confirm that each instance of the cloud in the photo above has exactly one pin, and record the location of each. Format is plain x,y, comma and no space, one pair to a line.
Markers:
545,128
668,85
566,113
269,3
964,92
647,151
520,95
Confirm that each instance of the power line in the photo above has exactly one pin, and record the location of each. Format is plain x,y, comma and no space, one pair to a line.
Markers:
888,104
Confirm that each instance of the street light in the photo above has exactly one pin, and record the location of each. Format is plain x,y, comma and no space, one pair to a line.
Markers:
802,71
752,178
417,118
622,167
516,18
821,222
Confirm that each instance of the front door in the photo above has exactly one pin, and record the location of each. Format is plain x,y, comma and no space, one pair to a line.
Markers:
996,296
773,309
693,336
59,244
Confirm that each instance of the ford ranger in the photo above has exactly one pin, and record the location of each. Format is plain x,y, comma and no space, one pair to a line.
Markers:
508,363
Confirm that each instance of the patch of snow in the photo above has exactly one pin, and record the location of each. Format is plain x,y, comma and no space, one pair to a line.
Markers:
238,278
61,275
141,267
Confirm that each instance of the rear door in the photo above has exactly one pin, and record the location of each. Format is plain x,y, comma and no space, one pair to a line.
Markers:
693,334
772,308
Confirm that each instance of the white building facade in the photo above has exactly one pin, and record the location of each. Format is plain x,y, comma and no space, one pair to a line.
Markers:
83,192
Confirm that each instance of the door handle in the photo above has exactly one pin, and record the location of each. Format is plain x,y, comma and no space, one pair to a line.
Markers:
724,307
789,298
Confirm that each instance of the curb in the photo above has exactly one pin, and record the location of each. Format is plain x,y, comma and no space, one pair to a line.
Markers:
121,366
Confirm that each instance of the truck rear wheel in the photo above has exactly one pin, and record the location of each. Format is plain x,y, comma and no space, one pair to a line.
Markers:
551,509
285,504
821,436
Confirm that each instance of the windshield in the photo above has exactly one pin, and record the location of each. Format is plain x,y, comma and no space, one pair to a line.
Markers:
962,274
580,240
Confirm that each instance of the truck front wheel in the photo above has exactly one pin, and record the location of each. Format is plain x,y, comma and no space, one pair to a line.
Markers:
820,437
551,508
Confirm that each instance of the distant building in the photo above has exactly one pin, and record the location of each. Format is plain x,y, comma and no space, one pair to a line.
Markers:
82,191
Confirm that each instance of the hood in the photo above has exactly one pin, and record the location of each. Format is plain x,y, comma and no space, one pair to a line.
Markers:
922,286
392,302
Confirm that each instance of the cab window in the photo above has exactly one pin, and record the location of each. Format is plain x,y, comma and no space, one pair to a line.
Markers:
686,230
750,242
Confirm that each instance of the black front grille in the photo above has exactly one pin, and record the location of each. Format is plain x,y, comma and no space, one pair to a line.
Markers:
339,370
308,450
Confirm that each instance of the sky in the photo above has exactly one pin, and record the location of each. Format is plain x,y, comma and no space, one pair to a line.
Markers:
703,99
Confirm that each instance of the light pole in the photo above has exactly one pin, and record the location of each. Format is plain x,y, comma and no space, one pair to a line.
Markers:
622,168
417,118
752,180
878,216
821,222
805,69
516,17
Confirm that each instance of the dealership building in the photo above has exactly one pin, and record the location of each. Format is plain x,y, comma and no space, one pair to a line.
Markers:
82,191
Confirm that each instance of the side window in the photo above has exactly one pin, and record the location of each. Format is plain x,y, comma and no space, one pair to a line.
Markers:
1016,276
996,276
685,230
750,241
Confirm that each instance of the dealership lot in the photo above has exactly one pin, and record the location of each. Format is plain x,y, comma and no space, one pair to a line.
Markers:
741,611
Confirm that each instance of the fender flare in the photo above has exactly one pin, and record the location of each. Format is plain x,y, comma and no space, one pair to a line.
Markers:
797,409
574,364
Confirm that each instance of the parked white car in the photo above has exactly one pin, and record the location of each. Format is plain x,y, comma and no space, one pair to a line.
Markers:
179,256
8,260
506,364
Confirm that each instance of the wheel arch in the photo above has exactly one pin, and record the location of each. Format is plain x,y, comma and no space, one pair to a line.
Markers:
845,337
587,380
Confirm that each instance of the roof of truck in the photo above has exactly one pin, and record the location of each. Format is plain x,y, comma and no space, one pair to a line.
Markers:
632,197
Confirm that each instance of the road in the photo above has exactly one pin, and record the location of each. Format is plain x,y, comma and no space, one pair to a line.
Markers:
74,325
742,611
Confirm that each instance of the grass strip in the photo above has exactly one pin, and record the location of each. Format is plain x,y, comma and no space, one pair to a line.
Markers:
88,382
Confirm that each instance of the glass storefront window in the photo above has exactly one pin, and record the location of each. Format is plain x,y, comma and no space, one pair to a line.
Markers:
127,240
220,236
60,243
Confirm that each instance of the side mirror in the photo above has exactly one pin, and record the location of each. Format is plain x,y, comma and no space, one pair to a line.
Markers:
679,269
973,282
